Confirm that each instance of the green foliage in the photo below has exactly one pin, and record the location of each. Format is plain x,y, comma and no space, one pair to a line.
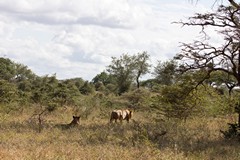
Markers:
111,88
217,104
8,92
171,94
51,107
127,68
176,102
23,73
87,88
99,86
7,69
44,91
14,72
165,72
222,59
149,83
181,99
122,71
78,82
25,86
138,99
218,78
20,86
88,105
141,65
103,78
16,82
50,90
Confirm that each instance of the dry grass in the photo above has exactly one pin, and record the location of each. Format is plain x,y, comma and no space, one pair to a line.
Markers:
97,139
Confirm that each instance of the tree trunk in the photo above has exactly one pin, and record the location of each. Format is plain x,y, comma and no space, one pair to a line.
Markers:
239,120
238,78
138,85
137,79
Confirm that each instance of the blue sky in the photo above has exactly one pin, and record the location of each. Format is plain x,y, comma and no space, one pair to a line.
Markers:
77,38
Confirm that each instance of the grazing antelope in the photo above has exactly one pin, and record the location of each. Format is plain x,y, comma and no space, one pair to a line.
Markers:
121,115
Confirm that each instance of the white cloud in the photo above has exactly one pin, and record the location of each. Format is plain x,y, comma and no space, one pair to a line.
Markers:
77,38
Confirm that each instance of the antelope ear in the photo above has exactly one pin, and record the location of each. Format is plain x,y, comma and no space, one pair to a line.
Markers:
73,117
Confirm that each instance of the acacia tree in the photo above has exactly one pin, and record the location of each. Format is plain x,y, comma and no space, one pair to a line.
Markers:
142,65
122,71
127,68
219,78
202,54
165,72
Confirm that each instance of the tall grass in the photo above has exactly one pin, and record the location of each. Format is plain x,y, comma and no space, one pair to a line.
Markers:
97,139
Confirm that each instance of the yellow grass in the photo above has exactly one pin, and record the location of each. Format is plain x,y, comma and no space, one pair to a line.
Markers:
96,139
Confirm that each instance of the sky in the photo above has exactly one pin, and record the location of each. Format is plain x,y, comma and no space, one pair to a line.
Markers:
78,38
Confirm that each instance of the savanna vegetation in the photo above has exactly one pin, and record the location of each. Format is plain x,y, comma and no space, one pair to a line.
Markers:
189,110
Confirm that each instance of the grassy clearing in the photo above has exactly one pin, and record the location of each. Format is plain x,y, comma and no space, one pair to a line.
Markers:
96,139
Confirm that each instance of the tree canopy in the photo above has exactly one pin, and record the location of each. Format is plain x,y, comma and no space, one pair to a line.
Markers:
203,54
127,68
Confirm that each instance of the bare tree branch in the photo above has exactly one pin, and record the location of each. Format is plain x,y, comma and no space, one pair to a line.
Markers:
201,54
